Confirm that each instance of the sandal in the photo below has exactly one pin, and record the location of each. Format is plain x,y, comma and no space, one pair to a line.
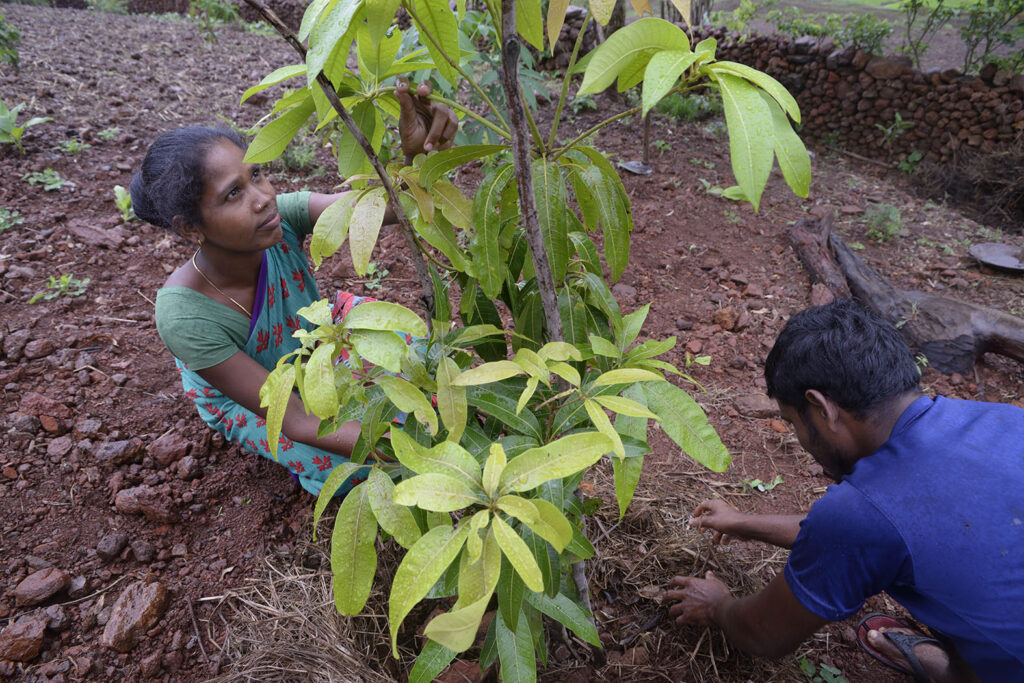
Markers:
905,642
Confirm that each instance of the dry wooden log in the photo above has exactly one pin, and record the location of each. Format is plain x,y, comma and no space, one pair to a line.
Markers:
952,334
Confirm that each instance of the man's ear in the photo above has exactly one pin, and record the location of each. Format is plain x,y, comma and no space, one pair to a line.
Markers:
825,407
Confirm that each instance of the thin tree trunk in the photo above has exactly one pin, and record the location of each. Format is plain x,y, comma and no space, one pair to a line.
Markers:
422,273
524,176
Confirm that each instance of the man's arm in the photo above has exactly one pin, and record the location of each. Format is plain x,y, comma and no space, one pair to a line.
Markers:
726,521
771,623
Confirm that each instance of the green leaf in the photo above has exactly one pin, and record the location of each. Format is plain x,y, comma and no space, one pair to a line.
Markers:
397,520
451,399
488,372
763,81
516,506
367,217
790,151
326,33
518,554
556,17
439,163
649,349
604,425
567,612
318,313
751,137
274,396
510,594
338,476
625,406
437,19
311,16
549,193
376,55
580,546
381,315
515,652
551,524
453,204
409,399
632,324
662,73
627,44
627,376
504,408
379,16
352,159
420,569
430,662
603,347
435,492
627,475
385,349
686,424
273,78
547,560
530,22
556,460
602,10
493,468
477,581
331,229
353,558
271,141
447,458
321,398
486,247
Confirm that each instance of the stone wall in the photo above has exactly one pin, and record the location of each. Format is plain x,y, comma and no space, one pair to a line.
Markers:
846,94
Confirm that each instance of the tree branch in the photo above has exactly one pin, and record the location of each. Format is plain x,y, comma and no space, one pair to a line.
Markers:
422,273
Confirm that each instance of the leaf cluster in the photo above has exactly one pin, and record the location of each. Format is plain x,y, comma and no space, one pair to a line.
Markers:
10,37
10,131
66,285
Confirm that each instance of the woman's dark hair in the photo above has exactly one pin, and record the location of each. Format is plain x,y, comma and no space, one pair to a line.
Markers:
844,351
170,182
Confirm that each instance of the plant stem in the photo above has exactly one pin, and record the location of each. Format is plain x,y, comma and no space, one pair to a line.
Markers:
510,51
567,79
469,79
422,272
472,114
590,131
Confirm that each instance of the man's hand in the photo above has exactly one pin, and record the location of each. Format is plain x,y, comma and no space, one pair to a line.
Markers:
696,599
424,125
720,517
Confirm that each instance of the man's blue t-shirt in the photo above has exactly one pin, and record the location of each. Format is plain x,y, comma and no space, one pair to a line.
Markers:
935,518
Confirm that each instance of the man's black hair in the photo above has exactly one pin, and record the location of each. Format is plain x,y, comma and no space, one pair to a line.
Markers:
844,351
170,182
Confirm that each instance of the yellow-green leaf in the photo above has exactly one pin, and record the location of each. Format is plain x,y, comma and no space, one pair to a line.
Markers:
641,7
353,558
556,460
636,40
559,351
397,520
457,629
566,372
367,217
529,22
790,151
487,373
518,554
625,406
493,468
524,398
447,457
556,17
685,423
320,395
437,19
751,138
602,10
516,506
273,78
662,73
684,9
763,81
335,480
274,396
453,204
271,141
603,347
420,569
604,425
627,376
551,524
436,492
409,399
382,315
331,229
385,349
627,475
451,399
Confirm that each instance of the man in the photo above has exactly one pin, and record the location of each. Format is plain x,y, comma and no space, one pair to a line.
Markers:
929,508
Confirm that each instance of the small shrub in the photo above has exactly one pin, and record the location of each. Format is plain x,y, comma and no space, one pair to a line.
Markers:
123,199
866,32
212,14
108,6
49,179
883,221
66,285
910,164
991,25
10,131
73,146
584,103
109,134
793,23
9,218
922,20
10,37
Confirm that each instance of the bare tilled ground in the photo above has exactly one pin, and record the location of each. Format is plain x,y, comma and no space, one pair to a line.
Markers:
111,486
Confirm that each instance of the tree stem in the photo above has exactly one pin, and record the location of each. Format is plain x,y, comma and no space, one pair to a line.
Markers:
423,274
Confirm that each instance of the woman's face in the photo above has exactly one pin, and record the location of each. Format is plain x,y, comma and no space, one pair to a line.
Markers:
238,205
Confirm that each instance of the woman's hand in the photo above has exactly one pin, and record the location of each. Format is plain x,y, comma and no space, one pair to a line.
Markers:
424,125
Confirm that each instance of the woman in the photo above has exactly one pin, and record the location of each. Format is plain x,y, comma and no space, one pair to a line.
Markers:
228,313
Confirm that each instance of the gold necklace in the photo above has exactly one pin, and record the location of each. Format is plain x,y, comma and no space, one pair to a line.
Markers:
230,298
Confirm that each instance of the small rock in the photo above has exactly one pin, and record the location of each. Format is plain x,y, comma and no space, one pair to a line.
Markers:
179,550
59,447
852,210
169,448
136,611
145,500
143,551
78,587
694,346
150,666
56,618
684,325
110,546
22,640
956,379
88,428
40,586
624,292
119,452
754,290
756,405
725,318
188,468
38,348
